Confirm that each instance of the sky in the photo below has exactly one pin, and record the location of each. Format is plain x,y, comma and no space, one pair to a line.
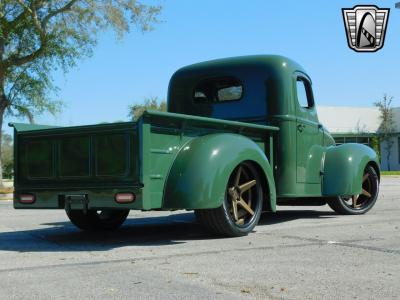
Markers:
121,73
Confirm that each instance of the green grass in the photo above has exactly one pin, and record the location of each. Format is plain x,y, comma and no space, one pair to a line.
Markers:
390,172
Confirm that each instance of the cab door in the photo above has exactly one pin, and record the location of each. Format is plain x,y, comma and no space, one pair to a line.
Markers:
309,133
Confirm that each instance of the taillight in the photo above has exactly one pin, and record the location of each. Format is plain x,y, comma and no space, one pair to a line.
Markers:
125,197
26,198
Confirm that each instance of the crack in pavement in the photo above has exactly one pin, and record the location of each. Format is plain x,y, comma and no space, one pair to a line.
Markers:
100,262
371,248
347,243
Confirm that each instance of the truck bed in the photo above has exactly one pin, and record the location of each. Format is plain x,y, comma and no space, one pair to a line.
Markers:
99,161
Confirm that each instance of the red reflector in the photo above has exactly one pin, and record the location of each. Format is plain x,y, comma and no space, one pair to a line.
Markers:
26,198
125,197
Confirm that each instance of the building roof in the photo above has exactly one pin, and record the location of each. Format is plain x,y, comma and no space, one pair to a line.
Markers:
344,119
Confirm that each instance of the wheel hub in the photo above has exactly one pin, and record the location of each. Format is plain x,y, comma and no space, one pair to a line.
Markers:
241,205
359,200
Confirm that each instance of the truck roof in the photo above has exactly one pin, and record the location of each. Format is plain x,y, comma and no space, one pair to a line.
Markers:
271,64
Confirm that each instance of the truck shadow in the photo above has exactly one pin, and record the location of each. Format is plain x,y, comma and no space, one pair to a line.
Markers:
282,216
149,231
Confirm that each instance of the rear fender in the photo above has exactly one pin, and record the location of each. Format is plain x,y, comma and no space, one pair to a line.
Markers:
344,167
200,173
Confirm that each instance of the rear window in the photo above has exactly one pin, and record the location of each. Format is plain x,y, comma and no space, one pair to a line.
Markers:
219,90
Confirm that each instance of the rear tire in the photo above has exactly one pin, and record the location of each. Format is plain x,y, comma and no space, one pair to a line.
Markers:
94,220
242,206
359,204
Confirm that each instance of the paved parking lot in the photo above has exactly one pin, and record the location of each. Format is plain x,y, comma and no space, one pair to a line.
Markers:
298,253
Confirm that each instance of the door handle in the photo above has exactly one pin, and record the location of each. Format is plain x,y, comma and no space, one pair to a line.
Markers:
301,127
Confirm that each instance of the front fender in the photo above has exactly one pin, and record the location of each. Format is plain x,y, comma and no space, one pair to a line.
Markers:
200,173
344,168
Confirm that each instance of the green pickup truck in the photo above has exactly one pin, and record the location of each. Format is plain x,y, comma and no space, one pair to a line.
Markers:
241,136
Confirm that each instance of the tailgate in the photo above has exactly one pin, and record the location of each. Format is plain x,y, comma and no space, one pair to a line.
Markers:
82,157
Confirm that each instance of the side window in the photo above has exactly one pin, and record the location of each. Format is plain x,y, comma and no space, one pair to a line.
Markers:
218,90
304,93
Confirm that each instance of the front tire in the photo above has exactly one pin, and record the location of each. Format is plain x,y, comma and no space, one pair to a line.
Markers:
242,206
94,220
359,204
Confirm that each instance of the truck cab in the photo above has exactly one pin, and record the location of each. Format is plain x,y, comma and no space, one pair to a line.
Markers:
267,90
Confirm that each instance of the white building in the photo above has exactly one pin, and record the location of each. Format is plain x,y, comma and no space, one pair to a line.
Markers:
360,125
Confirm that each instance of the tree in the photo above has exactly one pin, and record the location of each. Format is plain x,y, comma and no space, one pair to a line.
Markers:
361,130
386,129
136,110
7,156
39,36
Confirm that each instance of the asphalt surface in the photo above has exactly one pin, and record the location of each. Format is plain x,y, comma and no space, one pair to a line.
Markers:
298,253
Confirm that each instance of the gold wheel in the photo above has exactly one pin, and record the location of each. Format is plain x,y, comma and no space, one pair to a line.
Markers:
242,206
366,193
241,191
360,203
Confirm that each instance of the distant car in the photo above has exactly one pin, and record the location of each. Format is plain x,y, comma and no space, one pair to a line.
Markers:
241,135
